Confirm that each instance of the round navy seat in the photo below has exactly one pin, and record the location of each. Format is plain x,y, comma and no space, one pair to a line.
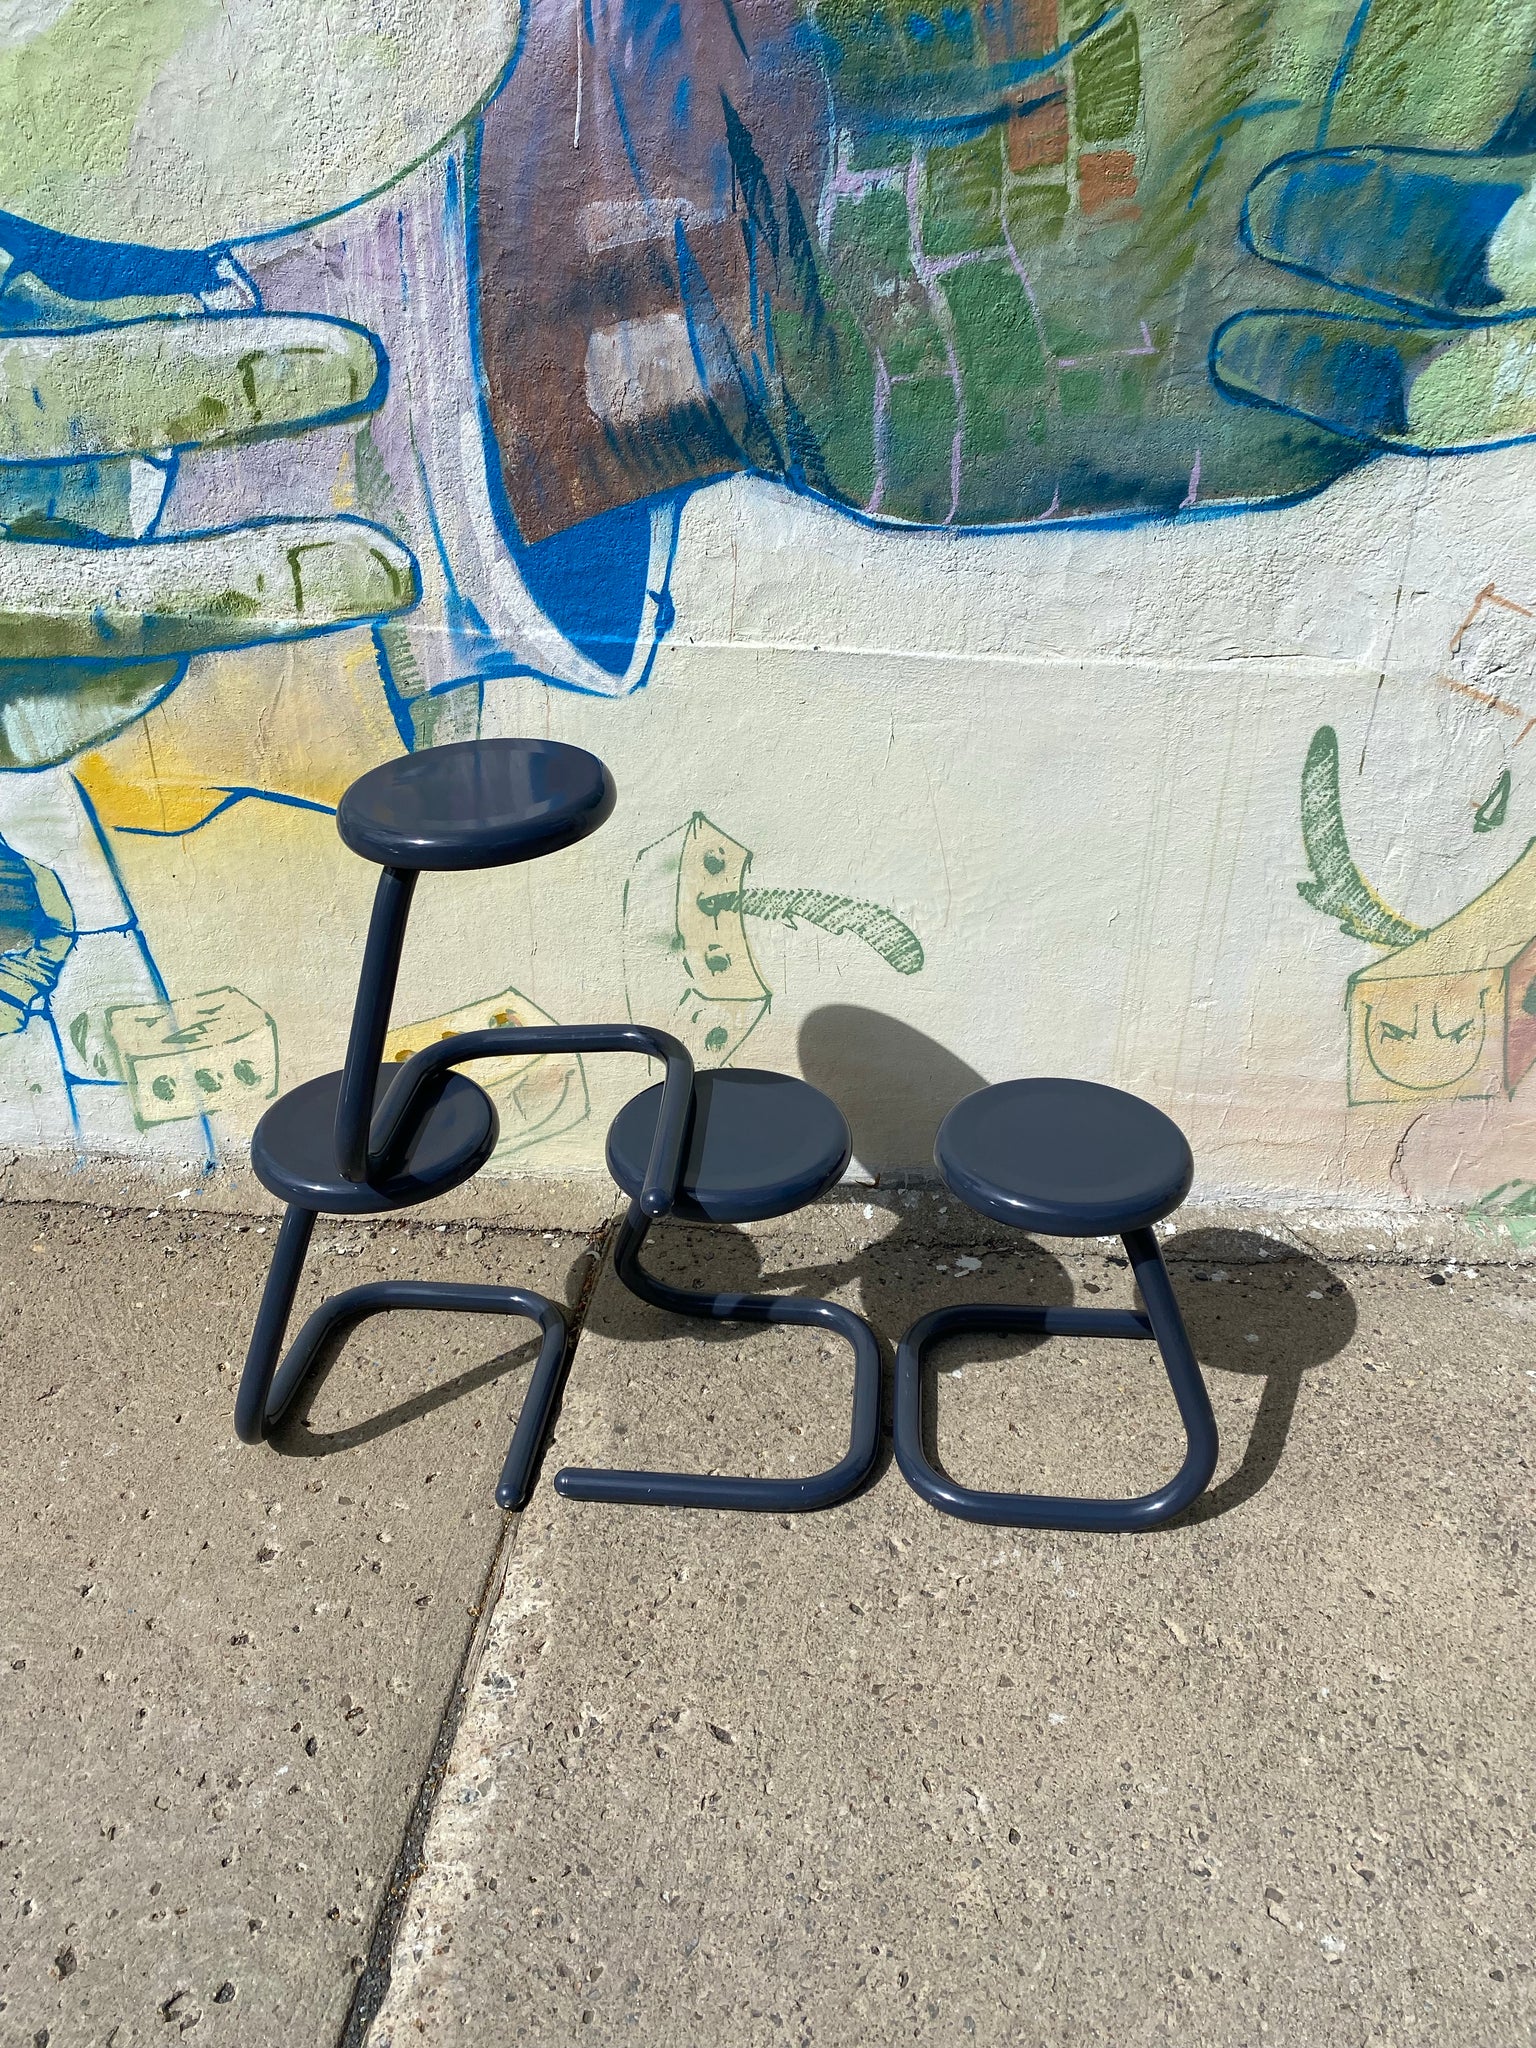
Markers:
476,804
293,1148
760,1145
1066,1158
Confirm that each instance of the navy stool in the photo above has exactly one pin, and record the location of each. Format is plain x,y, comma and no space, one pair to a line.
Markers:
1065,1159
755,1145
373,1139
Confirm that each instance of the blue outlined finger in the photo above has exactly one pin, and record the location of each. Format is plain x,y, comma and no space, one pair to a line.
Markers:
1435,231
137,386
1397,385
277,579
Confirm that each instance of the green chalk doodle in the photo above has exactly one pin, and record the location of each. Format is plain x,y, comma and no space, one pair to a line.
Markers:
1337,887
1494,808
688,955
880,929
1507,1210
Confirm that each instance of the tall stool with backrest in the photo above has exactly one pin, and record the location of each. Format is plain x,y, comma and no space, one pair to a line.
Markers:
1065,1159
371,1139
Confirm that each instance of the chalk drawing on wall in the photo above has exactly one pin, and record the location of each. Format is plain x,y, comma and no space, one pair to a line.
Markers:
1336,886
1449,1012
1492,655
185,1059
537,1096
953,267
1453,1013
688,960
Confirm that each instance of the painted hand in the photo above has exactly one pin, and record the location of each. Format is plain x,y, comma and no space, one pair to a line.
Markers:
1048,300
98,613
1433,346
956,264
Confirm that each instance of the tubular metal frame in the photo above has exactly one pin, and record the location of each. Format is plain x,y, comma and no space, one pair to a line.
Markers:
1161,1323
370,1146
701,1490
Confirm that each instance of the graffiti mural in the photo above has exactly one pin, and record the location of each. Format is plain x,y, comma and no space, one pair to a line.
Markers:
363,370
983,264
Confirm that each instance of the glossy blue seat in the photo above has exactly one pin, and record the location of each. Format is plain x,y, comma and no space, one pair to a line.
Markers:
1064,1159
476,804
1068,1158
759,1145
755,1145
293,1148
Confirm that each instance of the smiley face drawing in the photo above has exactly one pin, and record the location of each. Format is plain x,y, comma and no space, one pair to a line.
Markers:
1452,1014
1426,1035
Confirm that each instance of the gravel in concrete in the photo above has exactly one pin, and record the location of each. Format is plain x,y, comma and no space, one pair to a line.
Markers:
879,1776
223,1670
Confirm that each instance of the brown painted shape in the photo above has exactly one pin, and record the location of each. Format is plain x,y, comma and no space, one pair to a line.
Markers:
1105,177
1038,139
603,152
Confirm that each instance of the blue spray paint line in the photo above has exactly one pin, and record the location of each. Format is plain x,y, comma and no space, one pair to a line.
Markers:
1336,84
230,796
590,582
80,269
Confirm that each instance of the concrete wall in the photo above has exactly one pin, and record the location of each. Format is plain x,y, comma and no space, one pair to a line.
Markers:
1032,511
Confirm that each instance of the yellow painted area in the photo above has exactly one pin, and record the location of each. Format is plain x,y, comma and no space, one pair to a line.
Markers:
313,715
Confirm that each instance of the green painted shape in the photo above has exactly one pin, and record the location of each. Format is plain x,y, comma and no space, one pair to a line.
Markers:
1009,385
878,928
1510,1209
869,264
829,377
121,46
1337,887
963,202
921,423
1432,70
1106,77
1491,813
1036,214
176,383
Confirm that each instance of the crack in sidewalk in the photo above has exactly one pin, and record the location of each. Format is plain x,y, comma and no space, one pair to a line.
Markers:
374,1980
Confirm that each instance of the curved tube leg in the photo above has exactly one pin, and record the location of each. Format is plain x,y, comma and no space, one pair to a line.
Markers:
341,1311
763,1496
1161,1322
1183,1371
271,1321
538,1410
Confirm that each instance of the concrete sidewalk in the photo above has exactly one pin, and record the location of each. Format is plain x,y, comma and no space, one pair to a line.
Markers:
880,1776
224,1672
856,1778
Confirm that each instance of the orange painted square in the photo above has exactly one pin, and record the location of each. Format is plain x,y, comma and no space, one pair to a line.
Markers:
1104,177
1038,138
1035,26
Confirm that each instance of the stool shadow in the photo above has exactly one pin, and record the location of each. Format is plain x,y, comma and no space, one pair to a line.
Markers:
1258,1273
879,1275
894,1084
1297,1308
295,1438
